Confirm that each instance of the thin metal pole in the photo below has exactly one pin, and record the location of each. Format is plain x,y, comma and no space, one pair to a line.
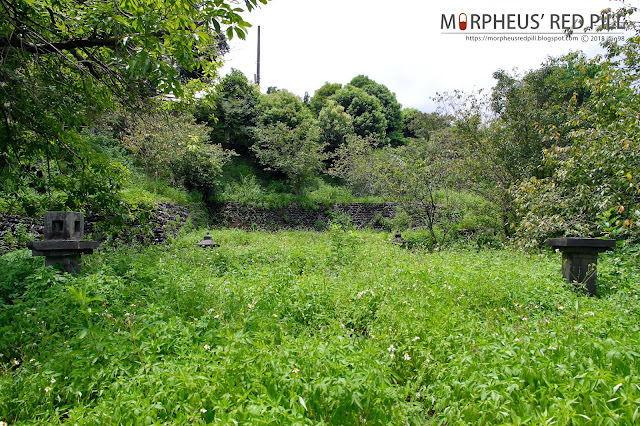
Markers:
258,73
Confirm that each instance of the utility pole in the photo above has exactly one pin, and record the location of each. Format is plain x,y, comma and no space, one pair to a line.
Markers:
257,76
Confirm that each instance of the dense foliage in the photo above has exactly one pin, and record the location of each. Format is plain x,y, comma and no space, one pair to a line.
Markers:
66,63
594,188
337,327
288,139
234,114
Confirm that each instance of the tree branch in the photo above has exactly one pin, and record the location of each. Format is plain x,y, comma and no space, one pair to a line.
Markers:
17,42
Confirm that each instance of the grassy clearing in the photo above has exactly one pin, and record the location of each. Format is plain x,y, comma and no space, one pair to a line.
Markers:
303,327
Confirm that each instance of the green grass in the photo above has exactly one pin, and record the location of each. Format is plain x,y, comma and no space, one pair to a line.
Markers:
244,183
278,194
141,188
316,328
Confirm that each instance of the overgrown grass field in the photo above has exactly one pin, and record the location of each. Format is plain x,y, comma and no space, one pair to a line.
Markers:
316,328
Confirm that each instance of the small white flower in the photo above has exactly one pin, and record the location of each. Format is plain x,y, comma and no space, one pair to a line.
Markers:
415,339
516,340
561,307
295,370
47,389
392,356
553,348
207,347
373,336
275,315
217,316
407,357
391,348
3,423
203,410
16,362
525,319
32,360
53,380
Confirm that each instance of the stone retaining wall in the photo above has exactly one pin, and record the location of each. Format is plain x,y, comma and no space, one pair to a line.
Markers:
169,217
166,218
257,216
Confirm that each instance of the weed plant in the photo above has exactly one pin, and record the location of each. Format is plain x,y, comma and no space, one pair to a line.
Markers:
316,328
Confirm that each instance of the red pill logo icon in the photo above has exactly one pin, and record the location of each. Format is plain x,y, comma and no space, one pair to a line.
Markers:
462,21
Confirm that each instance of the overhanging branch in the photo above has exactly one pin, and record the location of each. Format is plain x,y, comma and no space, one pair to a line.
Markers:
17,42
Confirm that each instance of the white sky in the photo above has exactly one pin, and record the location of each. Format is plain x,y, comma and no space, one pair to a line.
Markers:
306,43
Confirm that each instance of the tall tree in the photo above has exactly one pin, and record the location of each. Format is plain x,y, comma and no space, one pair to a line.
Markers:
66,62
365,110
321,95
593,188
335,125
420,125
234,114
391,108
288,138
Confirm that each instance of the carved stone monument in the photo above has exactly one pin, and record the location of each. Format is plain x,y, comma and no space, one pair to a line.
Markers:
579,259
63,241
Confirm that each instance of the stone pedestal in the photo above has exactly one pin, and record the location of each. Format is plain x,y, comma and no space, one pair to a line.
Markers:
63,245
580,258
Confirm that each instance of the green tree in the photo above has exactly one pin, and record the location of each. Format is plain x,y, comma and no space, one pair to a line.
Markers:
502,136
421,177
593,189
321,96
288,139
66,62
168,143
285,107
335,125
533,112
420,125
365,110
294,151
354,160
234,114
391,108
